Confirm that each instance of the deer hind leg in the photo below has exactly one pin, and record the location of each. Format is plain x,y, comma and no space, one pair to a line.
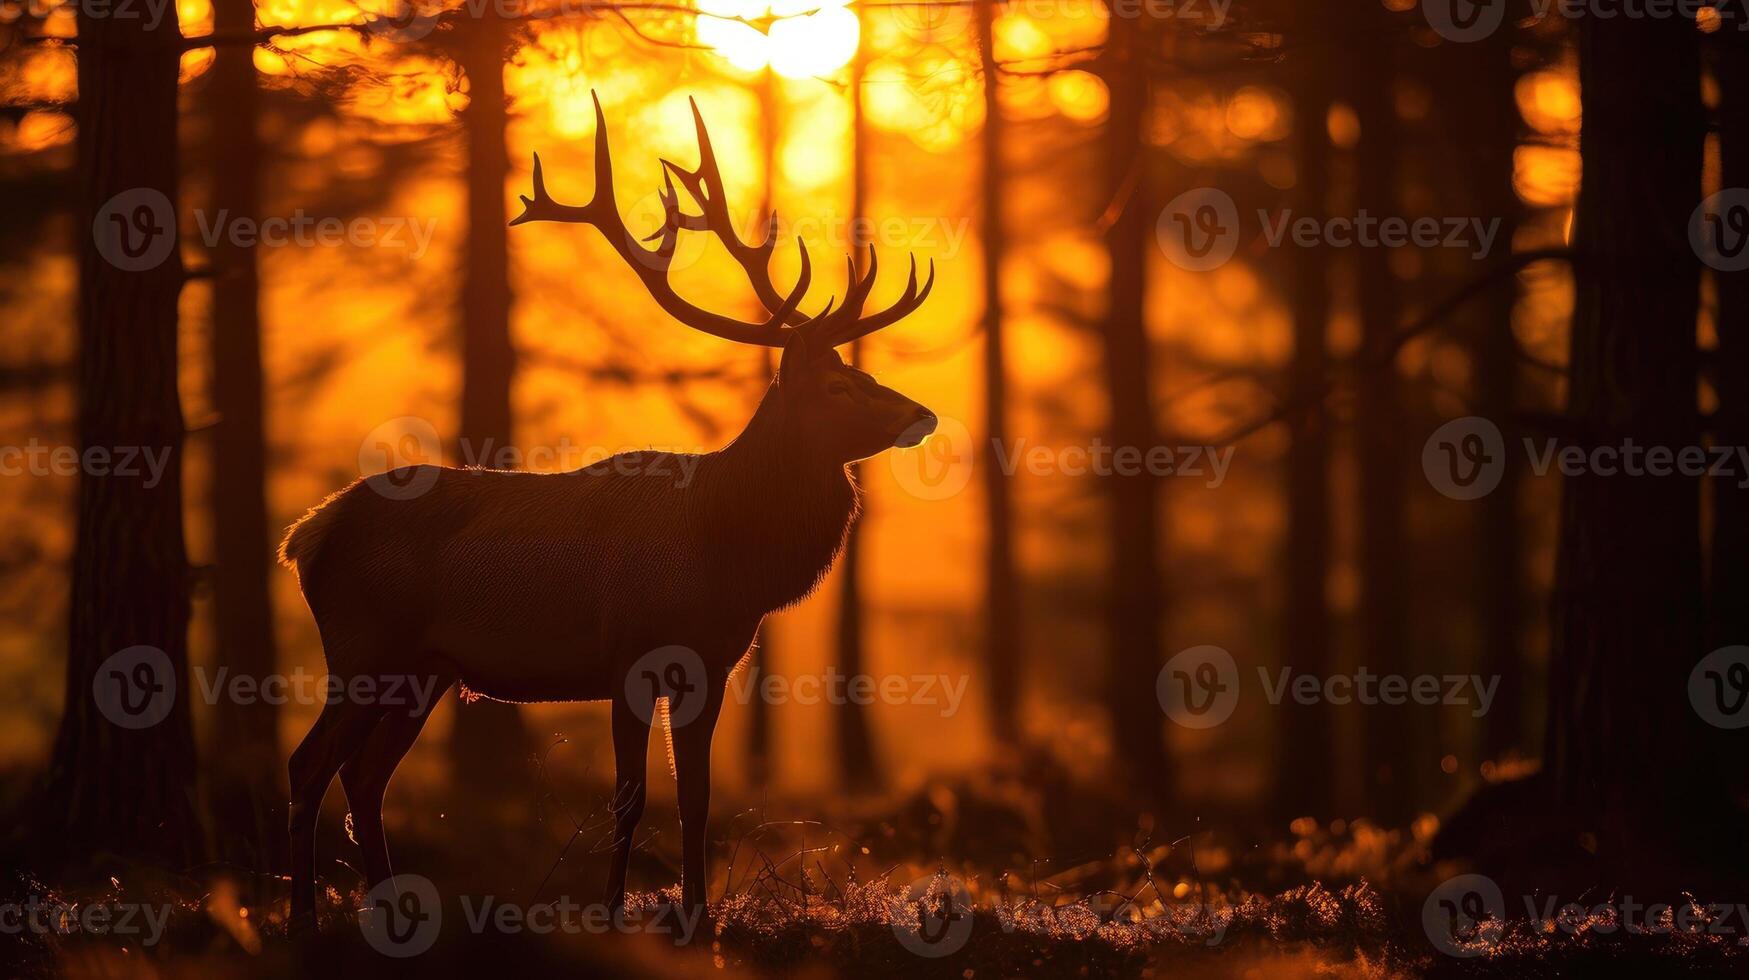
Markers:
631,745
692,770
335,736
365,777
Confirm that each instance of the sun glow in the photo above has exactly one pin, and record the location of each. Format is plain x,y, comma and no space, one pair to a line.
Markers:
806,38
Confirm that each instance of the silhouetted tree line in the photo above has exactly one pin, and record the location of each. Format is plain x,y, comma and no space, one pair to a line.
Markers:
1640,593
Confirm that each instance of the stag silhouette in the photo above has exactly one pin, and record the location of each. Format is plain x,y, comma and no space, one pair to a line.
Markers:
552,587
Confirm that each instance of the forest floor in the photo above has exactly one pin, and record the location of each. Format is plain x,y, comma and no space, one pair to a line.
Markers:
871,891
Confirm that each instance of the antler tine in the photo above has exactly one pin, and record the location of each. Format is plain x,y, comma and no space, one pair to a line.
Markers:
652,267
705,184
867,282
794,299
540,207
857,292
849,326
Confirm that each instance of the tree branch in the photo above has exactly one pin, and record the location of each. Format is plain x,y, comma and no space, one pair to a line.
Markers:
1294,407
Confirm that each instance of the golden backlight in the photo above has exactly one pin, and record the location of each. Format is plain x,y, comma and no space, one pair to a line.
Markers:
597,360
806,37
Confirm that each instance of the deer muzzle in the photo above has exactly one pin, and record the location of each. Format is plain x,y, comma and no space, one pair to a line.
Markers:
917,429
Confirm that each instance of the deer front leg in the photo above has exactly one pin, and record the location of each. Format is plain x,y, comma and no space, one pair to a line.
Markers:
692,768
631,743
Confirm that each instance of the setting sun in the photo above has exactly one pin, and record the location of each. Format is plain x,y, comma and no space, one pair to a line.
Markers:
806,38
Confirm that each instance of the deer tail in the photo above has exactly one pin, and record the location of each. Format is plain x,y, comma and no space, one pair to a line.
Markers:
303,540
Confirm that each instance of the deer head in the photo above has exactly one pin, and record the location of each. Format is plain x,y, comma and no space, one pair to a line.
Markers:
834,409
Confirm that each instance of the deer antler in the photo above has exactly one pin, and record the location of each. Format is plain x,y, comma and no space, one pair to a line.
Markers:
652,267
705,184
848,323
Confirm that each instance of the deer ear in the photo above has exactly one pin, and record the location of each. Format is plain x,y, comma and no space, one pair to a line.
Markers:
795,356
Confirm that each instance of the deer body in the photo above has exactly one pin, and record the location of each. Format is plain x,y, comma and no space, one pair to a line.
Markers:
544,587
532,587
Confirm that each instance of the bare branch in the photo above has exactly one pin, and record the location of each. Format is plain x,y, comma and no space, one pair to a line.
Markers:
1382,359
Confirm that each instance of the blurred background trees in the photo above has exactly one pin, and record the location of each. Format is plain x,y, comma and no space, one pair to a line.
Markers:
122,781
1031,157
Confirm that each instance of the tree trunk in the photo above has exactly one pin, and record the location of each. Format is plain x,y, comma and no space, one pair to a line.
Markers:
1729,612
1382,464
1136,584
1002,649
1308,751
123,769
487,734
1491,117
856,761
1730,543
244,791
1626,614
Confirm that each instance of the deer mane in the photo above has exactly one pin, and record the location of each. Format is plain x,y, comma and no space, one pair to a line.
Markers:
772,516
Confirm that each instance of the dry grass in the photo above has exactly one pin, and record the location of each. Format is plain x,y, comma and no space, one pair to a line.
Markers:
801,898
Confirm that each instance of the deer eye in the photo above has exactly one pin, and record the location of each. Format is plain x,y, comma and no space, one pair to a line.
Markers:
836,387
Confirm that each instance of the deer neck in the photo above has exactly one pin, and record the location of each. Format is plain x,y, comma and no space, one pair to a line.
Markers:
775,515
